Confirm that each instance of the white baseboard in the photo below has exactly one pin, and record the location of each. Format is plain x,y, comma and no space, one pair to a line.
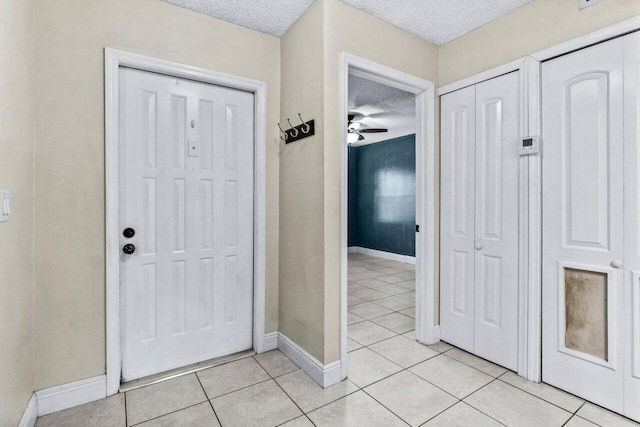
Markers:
436,333
69,395
382,254
30,414
325,375
270,341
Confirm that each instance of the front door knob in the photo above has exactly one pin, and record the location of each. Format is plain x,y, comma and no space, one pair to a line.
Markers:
128,249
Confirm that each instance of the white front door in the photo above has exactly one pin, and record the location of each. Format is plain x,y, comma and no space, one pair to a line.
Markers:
479,219
583,246
186,191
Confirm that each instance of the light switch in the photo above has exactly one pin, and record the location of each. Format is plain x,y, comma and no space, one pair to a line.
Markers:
5,205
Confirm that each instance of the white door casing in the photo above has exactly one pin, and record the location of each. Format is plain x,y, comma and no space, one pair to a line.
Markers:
582,107
496,221
479,220
632,224
186,165
457,221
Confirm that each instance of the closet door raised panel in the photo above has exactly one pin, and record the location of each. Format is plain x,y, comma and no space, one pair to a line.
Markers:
583,223
457,218
496,221
186,187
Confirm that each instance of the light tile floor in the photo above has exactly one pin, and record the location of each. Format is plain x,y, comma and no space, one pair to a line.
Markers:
393,381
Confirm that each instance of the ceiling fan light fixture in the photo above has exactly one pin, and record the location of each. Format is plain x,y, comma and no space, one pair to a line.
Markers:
353,137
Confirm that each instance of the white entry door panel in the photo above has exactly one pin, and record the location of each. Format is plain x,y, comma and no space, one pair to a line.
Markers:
457,221
479,219
496,221
582,105
186,188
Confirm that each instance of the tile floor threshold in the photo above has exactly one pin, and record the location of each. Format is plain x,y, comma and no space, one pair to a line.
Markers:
392,381
185,370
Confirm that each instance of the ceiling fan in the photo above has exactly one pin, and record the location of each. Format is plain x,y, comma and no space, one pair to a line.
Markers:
355,130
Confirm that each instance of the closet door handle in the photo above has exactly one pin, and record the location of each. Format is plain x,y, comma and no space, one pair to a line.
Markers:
616,263
478,246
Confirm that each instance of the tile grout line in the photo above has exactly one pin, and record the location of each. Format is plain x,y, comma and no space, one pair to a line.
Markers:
126,416
168,413
541,398
215,414
478,409
407,369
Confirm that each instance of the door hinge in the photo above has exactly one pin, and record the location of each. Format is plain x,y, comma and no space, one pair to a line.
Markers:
417,228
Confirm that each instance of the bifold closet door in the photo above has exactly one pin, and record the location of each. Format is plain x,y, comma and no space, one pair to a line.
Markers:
632,224
479,219
496,221
583,232
457,219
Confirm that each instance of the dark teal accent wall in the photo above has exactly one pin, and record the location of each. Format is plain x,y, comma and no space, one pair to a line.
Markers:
382,196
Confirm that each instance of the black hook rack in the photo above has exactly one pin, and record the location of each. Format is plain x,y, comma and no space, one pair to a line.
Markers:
296,133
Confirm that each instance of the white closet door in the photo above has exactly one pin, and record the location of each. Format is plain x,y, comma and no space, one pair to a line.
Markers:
186,188
583,223
632,225
457,228
496,221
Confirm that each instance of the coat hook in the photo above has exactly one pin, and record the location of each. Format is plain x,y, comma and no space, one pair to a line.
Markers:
293,129
286,136
305,125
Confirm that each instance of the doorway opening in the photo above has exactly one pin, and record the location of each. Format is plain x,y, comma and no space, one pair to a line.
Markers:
381,222
388,247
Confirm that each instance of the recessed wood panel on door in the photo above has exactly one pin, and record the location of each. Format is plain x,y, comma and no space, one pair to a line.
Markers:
186,188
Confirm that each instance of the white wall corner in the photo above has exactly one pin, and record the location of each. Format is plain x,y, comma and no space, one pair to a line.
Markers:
72,394
270,341
325,375
30,414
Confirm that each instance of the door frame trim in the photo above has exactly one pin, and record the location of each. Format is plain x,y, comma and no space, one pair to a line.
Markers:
113,60
426,162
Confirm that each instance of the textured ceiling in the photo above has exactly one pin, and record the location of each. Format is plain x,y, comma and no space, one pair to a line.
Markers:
436,20
379,106
268,16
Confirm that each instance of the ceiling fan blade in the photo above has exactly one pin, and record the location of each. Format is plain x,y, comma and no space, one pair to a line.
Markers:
373,130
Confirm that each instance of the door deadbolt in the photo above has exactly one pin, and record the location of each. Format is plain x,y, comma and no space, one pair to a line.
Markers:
128,249
129,232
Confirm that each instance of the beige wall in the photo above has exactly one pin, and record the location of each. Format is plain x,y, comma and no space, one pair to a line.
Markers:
310,169
301,185
69,191
16,236
350,30
536,26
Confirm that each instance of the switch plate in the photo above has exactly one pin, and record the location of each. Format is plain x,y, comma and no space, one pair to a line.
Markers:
5,205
